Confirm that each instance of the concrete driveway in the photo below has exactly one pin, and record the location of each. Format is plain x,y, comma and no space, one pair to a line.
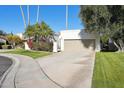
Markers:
70,69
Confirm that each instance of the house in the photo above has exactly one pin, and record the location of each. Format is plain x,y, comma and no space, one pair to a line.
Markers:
70,40
25,40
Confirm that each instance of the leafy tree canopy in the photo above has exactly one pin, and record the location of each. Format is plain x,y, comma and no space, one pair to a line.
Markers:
102,19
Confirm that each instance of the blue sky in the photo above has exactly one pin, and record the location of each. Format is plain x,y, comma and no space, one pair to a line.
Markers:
54,15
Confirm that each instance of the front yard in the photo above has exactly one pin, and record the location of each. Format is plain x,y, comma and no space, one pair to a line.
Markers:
108,70
33,54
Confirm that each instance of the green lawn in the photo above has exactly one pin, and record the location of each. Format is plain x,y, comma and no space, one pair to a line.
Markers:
33,54
108,70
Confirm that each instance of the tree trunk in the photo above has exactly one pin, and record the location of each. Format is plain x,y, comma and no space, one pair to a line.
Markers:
22,12
37,13
28,12
119,49
121,45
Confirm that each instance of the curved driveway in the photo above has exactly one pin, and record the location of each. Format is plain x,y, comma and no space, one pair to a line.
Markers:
70,69
67,69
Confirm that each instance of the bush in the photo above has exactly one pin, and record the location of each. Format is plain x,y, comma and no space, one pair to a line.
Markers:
9,47
2,43
42,46
21,45
6,47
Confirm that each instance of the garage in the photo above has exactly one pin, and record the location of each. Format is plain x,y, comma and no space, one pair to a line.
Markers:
79,44
77,40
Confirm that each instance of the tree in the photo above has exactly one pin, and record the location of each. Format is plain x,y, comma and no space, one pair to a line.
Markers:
40,33
117,21
118,38
14,40
29,31
46,32
2,33
37,31
38,8
23,16
105,20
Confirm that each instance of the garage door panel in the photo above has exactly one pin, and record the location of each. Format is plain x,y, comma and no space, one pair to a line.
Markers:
79,45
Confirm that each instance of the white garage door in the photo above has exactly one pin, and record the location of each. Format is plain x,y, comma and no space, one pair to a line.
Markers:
79,45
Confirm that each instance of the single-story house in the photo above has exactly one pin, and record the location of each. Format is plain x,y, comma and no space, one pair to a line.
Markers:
73,40
76,39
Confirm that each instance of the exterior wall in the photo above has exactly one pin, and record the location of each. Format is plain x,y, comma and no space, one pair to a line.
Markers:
20,35
78,34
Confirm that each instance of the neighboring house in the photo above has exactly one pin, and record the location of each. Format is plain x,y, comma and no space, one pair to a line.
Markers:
3,41
25,40
77,39
20,35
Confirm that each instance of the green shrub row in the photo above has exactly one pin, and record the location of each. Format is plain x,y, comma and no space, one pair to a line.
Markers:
42,46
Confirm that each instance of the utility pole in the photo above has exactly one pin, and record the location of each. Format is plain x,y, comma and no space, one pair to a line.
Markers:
66,17
38,7
28,12
23,16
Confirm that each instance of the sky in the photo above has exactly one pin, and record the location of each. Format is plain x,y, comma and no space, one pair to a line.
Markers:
54,15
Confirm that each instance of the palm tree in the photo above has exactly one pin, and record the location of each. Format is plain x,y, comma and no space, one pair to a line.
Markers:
46,31
66,17
29,31
23,16
38,8
28,12
37,31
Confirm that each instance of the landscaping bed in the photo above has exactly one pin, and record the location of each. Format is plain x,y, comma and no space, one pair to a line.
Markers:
108,70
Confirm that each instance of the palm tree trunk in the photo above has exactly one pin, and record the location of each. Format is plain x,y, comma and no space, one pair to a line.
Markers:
66,17
23,16
38,8
28,11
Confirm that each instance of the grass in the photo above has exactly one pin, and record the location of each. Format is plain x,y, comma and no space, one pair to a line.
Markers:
33,54
108,70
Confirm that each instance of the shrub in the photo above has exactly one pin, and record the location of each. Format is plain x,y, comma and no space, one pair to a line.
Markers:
9,47
42,46
4,46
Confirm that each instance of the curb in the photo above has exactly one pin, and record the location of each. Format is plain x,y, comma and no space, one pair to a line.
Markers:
8,78
94,59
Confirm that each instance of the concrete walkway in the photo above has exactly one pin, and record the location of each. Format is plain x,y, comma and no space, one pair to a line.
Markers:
58,70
